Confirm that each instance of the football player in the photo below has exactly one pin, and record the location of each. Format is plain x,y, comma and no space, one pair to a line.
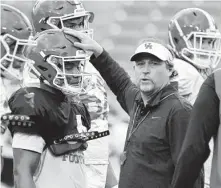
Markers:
16,31
89,89
43,117
196,41
61,14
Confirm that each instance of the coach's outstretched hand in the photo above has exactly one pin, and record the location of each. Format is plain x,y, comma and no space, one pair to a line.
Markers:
87,44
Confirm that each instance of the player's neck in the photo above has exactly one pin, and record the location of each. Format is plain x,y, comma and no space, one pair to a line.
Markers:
49,88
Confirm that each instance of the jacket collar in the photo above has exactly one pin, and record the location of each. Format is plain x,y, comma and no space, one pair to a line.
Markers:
156,99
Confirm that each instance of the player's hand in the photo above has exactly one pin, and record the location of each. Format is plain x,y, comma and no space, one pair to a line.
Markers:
87,43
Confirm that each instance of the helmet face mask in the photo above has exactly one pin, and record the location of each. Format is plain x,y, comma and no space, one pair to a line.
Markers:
195,38
13,60
71,21
70,73
15,36
59,14
204,49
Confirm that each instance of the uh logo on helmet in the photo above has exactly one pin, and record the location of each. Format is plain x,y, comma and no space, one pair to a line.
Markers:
16,31
47,14
58,62
195,38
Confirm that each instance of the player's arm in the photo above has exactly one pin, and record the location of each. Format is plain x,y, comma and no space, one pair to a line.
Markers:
25,164
117,79
3,124
27,151
203,124
27,144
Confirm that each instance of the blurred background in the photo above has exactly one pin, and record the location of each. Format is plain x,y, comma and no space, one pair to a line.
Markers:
119,26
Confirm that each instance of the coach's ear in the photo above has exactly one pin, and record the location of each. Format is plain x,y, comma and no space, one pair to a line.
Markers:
134,64
170,72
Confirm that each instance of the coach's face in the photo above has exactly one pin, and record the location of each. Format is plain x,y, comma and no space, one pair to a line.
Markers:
151,73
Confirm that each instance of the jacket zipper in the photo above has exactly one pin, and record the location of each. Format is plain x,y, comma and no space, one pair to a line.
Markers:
131,132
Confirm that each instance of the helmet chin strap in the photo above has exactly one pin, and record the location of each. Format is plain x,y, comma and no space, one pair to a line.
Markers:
73,92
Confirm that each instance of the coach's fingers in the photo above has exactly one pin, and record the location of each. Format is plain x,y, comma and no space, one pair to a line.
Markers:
83,46
74,33
93,47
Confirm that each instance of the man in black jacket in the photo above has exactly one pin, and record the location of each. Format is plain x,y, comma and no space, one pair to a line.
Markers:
204,124
158,115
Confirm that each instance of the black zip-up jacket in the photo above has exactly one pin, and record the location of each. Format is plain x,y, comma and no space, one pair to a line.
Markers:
158,129
203,125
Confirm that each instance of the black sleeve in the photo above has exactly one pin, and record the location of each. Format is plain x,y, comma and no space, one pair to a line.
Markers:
117,79
204,123
177,127
20,105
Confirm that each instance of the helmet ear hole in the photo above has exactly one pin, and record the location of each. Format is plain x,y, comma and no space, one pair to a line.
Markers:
19,29
42,29
176,40
42,68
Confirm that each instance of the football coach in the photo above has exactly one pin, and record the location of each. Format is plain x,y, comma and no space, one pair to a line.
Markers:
159,116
